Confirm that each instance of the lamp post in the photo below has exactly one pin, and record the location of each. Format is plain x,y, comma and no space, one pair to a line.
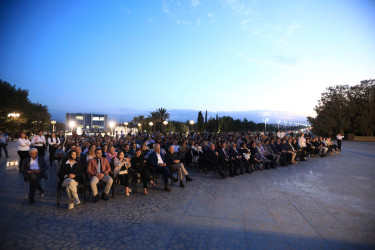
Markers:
140,127
285,125
265,124
290,125
14,115
278,125
165,125
112,125
126,127
151,124
72,124
192,125
53,125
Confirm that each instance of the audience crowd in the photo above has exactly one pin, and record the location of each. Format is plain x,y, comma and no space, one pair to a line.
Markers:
124,159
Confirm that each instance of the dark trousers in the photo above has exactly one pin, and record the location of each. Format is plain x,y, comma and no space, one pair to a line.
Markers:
339,144
165,172
41,150
145,176
4,147
52,151
34,183
124,179
23,155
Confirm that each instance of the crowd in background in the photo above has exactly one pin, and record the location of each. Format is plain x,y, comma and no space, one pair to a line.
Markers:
124,157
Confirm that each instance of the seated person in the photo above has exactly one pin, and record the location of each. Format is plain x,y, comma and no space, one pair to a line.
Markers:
34,169
224,159
245,152
138,163
98,169
212,160
275,157
235,158
121,170
255,157
70,175
266,158
157,163
174,165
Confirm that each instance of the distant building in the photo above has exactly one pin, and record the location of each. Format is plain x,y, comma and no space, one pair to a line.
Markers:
87,121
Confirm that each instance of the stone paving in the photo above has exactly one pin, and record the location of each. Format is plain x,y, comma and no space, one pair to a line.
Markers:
325,203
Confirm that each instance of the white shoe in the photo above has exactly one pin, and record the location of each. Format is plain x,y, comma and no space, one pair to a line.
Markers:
71,206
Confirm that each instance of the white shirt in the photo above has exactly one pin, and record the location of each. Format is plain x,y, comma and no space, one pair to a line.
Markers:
339,137
302,142
38,139
160,160
34,165
23,144
176,147
53,140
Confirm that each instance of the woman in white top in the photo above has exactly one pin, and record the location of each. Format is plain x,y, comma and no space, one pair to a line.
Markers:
53,142
121,170
303,146
339,139
23,147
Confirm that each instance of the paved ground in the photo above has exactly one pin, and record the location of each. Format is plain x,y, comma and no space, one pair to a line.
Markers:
325,203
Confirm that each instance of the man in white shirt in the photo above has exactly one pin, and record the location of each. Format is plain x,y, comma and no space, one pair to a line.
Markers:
39,142
34,169
53,142
339,140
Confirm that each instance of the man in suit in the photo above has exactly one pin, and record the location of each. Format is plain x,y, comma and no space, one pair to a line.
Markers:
175,164
235,158
225,160
34,169
158,164
212,159
98,169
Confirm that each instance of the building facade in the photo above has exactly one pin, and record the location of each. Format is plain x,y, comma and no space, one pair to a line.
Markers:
87,121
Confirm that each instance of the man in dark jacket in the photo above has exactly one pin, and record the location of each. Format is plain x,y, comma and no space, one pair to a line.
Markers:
212,160
174,165
158,164
34,169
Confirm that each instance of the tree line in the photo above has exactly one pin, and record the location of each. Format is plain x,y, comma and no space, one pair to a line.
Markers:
346,109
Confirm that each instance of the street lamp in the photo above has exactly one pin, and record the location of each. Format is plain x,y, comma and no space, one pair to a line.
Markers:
192,124
151,123
72,124
278,125
14,115
112,125
290,125
53,125
165,125
140,127
265,124
285,125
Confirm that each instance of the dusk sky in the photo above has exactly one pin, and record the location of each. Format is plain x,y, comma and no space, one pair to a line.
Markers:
115,56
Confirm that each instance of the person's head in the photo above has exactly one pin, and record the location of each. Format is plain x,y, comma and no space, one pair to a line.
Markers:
175,142
98,153
40,132
72,155
138,152
127,148
212,146
53,135
283,141
171,149
112,150
290,140
92,152
233,145
33,153
243,144
144,147
157,148
120,155
23,135
78,151
223,145
259,143
266,142
105,147
73,147
92,147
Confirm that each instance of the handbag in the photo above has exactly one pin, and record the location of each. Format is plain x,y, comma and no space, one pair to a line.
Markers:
124,169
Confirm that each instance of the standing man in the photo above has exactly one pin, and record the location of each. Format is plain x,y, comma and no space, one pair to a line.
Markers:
4,143
339,139
39,142
98,169
53,142
34,169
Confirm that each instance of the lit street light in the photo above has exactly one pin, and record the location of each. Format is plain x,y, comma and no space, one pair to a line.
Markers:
14,115
265,124
165,125
140,127
53,125
285,125
278,125
112,125
72,124
192,124
126,127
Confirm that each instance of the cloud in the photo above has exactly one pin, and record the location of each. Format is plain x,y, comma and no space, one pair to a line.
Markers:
238,7
279,60
198,21
195,3
183,22
211,17
165,8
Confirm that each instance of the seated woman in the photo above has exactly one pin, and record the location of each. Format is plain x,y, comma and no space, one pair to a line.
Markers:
71,175
121,170
111,155
255,157
138,162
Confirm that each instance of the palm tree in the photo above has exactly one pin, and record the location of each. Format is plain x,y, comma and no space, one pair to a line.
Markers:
163,114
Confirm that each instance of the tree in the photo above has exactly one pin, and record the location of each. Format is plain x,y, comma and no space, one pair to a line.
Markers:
200,122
